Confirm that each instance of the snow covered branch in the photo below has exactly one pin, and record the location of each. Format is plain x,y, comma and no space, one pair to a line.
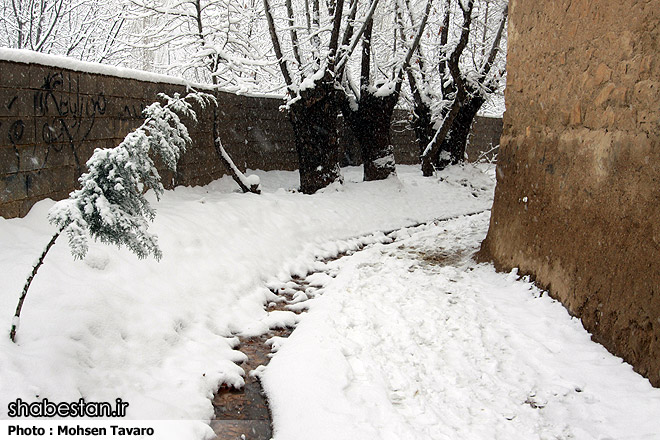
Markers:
111,206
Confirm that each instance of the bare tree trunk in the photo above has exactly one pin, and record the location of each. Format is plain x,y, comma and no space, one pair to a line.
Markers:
314,118
455,143
26,287
371,121
370,124
452,137
422,124
432,150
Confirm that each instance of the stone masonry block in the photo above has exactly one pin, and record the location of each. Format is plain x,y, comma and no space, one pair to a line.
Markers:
12,188
14,75
9,160
11,209
49,180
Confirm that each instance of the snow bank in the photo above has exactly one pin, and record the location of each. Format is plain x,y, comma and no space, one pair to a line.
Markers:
413,340
160,335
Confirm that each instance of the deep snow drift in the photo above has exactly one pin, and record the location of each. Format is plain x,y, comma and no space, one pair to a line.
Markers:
160,334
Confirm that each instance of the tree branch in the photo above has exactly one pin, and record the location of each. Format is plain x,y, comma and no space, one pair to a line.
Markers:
350,25
458,51
294,34
344,59
334,37
365,65
276,45
496,44
413,48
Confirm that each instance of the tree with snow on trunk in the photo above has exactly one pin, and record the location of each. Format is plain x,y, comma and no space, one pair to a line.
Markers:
464,86
369,107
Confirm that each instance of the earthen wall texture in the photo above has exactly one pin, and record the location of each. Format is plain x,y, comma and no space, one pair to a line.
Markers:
52,119
577,202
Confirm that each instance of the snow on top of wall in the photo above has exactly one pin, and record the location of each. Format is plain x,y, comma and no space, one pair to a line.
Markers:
63,62
30,57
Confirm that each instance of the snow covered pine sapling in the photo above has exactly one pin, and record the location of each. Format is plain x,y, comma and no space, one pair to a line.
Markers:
110,205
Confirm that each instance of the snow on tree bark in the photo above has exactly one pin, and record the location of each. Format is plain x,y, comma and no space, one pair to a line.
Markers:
369,112
316,133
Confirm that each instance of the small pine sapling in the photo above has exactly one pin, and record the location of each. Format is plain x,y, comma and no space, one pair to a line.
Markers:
110,205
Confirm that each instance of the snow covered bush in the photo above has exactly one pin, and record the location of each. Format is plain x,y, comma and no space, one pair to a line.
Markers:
110,205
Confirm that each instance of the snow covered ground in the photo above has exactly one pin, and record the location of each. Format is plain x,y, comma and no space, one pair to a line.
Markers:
160,335
409,340
414,340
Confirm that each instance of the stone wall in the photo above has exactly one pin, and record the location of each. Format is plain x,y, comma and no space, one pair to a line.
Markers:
577,202
484,138
52,119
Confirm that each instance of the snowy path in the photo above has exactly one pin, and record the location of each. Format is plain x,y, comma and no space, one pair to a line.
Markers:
161,335
406,342
413,340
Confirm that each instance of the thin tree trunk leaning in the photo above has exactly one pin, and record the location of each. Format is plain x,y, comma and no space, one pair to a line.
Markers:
238,176
316,130
17,314
243,183
455,143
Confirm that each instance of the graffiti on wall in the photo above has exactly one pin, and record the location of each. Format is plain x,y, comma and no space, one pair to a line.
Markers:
14,130
69,115
60,115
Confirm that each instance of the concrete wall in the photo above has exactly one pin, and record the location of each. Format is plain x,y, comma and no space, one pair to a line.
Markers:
577,203
52,119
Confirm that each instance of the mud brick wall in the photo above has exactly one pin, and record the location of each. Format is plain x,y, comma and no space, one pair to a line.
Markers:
577,202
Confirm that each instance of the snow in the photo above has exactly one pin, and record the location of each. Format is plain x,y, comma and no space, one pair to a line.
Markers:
385,89
63,62
160,335
402,340
413,340
310,81
384,162
30,57
252,180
